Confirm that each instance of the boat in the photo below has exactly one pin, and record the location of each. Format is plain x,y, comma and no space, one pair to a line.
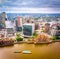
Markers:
30,42
43,42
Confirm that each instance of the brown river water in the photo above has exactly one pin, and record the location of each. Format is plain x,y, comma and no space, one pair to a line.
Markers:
45,51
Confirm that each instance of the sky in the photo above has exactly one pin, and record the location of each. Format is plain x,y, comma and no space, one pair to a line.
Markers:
30,6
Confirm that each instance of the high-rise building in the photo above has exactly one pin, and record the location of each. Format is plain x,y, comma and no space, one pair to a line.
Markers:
3,15
19,21
15,25
3,19
28,29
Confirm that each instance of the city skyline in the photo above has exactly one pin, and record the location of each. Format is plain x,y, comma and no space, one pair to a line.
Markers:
32,6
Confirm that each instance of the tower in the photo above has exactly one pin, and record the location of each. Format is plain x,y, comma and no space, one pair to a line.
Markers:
19,23
18,20
3,19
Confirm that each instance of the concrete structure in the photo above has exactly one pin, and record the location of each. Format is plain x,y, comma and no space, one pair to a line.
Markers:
3,33
28,29
19,21
3,19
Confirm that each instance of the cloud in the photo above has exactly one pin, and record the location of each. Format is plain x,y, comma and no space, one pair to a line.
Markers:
30,10
31,3
0,1
23,3
4,1
7,1
30,6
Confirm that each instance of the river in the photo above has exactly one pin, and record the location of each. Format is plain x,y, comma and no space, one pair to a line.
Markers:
41,51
